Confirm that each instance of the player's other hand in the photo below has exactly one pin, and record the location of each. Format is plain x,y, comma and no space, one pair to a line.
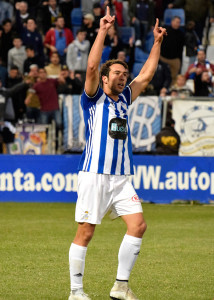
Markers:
107,21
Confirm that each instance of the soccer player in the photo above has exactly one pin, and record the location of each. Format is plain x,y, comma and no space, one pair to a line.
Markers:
106,162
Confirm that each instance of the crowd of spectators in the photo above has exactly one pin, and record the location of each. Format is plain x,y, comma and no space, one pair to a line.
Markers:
42,51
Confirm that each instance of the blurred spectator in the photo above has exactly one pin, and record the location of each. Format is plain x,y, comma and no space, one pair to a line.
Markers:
200,65
66,7
87,6
77,54
31,59
30,36
73,85
203,85
161,81
46,90
98,14
58,39
33,6
172,47
141,17
22,12
17,55
6,11
32,107
180,88
50,13
18,91
53,70
90,28
121,55
192,41
117,10
6,40
18,98
196,11
3,74
112,40
168,140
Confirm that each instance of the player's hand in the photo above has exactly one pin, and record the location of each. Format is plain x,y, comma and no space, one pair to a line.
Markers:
107,21
159,32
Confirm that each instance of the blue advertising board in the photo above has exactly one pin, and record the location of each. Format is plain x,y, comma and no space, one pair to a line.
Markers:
53,178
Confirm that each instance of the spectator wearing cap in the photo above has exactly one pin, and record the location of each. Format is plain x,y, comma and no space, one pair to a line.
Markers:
58,39
90,28
73,84
54,68
77,54
31,59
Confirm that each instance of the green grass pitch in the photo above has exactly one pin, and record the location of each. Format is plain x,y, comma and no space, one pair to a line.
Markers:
176,259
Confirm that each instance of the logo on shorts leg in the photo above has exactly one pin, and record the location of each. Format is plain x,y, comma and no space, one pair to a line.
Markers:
135,198
86,213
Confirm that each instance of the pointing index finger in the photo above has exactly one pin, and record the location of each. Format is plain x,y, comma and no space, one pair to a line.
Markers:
107,11
157,23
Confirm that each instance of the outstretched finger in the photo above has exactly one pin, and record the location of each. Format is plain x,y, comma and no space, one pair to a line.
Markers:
107,11
157,23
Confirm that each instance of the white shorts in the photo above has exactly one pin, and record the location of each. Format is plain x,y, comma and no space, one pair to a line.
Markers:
99,193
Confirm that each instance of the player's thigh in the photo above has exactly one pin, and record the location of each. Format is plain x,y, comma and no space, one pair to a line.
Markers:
94,197
125,200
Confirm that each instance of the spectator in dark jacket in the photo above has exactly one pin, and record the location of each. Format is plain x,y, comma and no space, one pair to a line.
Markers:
161,80
168,140
32,59
6,40
203,85
49,11
30,36
73,84
172,47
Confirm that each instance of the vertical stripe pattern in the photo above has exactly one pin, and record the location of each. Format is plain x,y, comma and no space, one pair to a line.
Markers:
104,154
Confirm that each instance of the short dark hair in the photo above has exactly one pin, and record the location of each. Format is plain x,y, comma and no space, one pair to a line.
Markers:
176,17
31,18
29,47
6,21
106,66
80,30
14,67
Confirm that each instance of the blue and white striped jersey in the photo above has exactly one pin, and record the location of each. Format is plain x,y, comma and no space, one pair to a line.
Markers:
108,147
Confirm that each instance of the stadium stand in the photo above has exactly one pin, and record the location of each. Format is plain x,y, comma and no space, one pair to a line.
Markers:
169,13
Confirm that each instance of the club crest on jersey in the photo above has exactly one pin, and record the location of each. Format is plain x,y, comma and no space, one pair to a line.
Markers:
118,128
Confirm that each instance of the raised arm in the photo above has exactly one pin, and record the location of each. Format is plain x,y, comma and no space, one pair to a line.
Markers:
139,84
92,73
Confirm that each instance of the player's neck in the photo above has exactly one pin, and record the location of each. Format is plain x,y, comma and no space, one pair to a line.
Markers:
109,93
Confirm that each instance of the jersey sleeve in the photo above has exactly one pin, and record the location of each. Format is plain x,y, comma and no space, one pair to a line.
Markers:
128,94
87,101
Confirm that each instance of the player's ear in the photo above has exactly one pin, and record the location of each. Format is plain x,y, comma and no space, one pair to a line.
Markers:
105,79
